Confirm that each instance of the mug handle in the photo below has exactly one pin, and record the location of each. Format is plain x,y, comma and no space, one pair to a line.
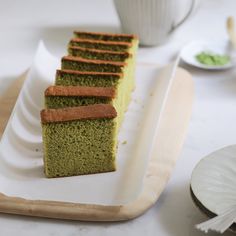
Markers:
185,17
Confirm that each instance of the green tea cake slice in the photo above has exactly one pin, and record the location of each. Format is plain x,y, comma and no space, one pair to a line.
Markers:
81,64
101,45
71,96
97,54
105,36
79,140
87,78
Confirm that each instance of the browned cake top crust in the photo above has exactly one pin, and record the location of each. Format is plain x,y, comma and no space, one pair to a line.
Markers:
105,34
96,111
82,91
80,59
99,51
93,41
87,72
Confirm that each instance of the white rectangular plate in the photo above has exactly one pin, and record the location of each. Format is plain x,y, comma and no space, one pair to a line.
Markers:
21,157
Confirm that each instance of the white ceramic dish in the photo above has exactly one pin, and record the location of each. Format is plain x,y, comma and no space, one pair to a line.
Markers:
189,52
21,166
213,180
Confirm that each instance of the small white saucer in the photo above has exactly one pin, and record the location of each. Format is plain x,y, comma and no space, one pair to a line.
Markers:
213,180
189,52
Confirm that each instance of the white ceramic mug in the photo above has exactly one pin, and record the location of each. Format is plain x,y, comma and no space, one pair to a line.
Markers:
152,20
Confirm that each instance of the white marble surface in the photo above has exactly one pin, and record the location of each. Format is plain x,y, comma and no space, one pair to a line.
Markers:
23,23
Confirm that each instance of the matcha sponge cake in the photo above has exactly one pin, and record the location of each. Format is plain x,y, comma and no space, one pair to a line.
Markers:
81,64
79,140
86,106
101,45
97,54
105,36
106,41
87,78
71,96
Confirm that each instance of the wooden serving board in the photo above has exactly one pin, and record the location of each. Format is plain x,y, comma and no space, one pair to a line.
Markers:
168,144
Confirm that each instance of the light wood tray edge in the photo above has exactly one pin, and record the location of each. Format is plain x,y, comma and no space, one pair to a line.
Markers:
156,178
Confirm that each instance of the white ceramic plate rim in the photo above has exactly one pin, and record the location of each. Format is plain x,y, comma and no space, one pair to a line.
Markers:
202,189
189,52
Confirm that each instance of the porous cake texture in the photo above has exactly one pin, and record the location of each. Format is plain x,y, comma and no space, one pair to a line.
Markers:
101,45
105,36
71,96
87,78
96,54
79,140
81,64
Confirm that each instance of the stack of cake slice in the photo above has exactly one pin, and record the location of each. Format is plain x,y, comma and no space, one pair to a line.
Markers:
86,106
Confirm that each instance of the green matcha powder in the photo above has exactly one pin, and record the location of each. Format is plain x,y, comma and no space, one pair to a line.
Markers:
211,59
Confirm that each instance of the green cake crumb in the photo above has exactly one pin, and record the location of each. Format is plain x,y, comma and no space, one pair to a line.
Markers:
212,59
104,37
95,55
89,66
124,142
68,101
91,80
100,46
76,147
